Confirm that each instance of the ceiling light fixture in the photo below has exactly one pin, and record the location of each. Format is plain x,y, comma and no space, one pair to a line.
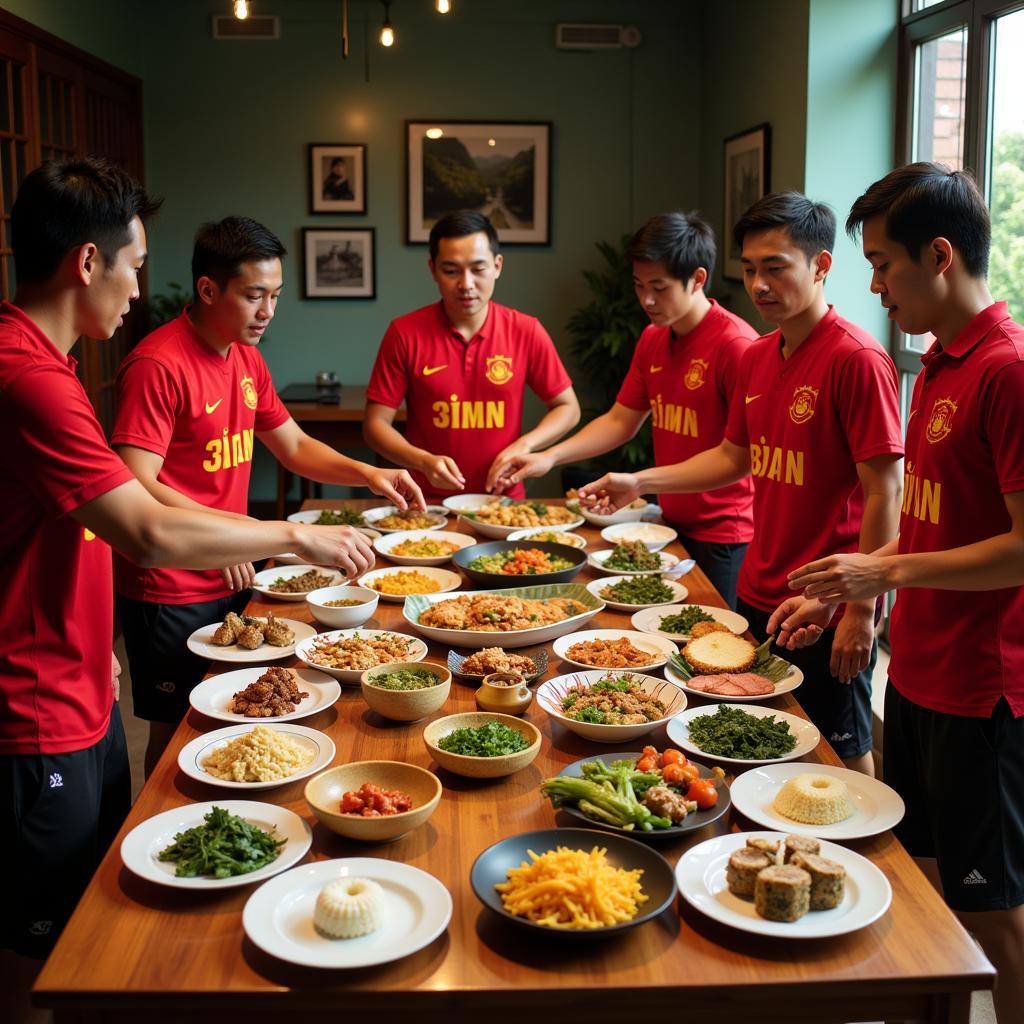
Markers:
442,6
387,30
240,9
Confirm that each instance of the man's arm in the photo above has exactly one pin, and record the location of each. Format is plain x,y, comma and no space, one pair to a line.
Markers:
608,431
380,434
308,457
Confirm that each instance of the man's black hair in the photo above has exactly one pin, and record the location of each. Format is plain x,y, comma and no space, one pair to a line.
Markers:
460,224
61,206
923,201
682,241
221,247
810,225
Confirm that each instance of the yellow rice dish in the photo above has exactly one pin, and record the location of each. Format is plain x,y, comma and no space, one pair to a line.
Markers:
404,583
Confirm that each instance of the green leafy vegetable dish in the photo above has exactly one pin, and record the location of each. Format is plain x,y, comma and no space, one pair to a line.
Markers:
223,846
495,739
520,562
684,620
730,732
612,700
344,516
633,556
639,590
406,679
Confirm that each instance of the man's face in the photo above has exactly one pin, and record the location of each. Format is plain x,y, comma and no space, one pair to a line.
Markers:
114,287
242,310
465,271
906,287
779,279
664,298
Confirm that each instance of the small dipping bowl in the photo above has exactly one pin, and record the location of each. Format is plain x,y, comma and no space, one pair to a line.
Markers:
504,692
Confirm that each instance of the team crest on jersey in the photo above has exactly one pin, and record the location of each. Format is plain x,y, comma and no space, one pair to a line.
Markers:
801,409
248,392
694,377
940,422
499,369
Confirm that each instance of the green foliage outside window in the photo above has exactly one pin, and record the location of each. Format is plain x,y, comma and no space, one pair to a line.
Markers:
1006,263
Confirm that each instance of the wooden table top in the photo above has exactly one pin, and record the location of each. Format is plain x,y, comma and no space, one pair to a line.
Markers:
351,408
133,947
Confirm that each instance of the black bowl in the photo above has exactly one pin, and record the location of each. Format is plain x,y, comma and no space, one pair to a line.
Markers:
491,867
463,557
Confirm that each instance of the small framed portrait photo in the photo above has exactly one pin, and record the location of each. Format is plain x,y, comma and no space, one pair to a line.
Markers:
339,264
746,179
337,177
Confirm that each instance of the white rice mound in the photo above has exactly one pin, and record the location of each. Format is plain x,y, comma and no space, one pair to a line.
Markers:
814,799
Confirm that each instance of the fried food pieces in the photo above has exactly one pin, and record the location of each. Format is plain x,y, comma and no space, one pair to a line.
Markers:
275,693
250,632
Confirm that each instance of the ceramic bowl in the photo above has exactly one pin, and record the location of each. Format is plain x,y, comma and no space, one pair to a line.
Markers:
406,705
343,618
481,767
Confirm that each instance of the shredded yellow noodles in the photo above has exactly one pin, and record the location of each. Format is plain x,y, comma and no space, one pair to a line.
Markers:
566,888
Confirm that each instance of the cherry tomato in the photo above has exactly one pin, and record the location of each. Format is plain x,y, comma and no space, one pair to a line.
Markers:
673,757
690,771
703,792
649,751
674,774
647,763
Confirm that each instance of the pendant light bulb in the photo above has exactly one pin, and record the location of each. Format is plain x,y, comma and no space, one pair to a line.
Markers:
387,30
241,9
442,6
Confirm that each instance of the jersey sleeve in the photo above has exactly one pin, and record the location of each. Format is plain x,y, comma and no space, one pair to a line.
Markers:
633,393
270,410
1004,400
867,399
149,402
736,426
52,437
389,380
544,371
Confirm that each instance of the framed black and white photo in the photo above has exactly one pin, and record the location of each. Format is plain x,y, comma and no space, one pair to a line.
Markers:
500,168
339,263
337,177
746,163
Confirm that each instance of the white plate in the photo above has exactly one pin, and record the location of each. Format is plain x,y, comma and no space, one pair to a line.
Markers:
140,847
647,620
311,515
622,515
417,651
876,806
447,579
386,545
374,515
807,736
788,684
700,875
597,558
262,581
496,532
278,917
192,755
679,593
467,502
532,531
655,645
201,643
654,535
479,638
212,697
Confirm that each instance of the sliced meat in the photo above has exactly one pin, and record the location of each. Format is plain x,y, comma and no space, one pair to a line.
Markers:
753,684
732,684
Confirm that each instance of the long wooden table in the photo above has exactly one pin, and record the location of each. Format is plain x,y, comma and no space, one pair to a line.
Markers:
136,951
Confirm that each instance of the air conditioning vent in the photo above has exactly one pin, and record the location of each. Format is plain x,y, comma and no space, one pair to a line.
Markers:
264,26
595,37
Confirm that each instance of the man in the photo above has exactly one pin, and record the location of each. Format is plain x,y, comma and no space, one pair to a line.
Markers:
191,398
683,374
336,184
815,421
461,366
79,243
954,707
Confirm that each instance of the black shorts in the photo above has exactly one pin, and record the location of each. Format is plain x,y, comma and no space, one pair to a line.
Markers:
841,711
962,780
719,562
164,671
60,814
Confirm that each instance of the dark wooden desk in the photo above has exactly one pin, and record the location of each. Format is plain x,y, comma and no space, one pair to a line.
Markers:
339,425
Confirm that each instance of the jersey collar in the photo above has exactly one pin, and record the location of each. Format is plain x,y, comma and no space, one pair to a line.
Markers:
972,335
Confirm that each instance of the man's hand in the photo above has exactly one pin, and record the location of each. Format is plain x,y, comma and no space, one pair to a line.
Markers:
115,676
397,485
851,577
508,462
800,622
239,577
442,472
613,491
851,648
343,546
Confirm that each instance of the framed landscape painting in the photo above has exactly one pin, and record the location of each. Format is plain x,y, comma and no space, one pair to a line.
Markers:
746,163
499,168
339,264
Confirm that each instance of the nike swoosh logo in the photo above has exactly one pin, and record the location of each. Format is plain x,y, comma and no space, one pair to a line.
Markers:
213,408
752,398
428,370
657,369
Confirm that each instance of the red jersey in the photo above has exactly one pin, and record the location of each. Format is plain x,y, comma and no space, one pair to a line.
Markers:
687,383
954,651
56,603
808,420
465,399
200,411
